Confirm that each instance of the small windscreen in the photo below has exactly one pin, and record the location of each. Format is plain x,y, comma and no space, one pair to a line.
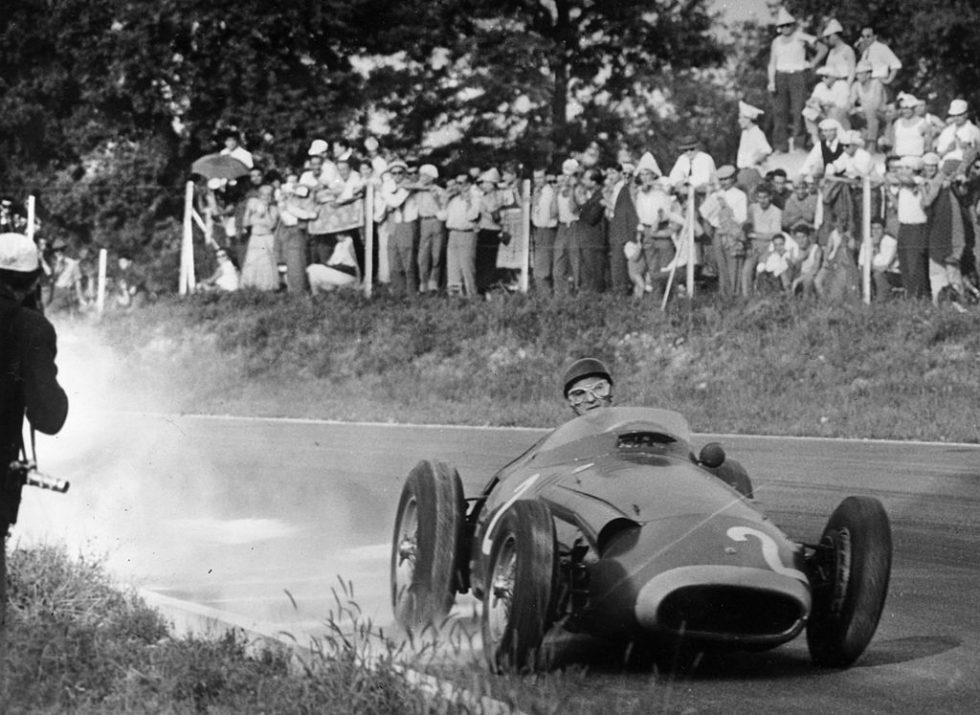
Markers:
643,440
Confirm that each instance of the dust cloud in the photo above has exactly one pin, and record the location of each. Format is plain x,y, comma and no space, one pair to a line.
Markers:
202,509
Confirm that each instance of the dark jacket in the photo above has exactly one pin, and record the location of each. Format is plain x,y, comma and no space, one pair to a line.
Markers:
28,387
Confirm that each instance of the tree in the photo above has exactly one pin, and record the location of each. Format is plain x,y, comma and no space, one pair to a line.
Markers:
541,76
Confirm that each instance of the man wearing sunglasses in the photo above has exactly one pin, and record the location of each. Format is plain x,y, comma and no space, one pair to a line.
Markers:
588,385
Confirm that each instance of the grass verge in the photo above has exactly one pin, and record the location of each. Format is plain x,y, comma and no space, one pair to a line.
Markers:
76,643
903,370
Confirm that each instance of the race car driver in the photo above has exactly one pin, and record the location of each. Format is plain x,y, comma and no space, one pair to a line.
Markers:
587,385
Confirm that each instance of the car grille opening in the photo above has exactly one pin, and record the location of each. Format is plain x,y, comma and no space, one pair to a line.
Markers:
728,611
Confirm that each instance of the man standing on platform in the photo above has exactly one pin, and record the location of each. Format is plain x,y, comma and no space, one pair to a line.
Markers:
788,78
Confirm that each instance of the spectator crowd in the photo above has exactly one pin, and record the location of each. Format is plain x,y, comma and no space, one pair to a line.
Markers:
607,219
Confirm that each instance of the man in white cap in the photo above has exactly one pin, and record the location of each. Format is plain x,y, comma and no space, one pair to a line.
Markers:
959,134
855,162
653,231
432,228
28,375
910,135
830,99
826,150
490,231
867,102
403,237
753,147
840,56
788,73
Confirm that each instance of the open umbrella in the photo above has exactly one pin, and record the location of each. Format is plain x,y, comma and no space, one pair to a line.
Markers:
219,166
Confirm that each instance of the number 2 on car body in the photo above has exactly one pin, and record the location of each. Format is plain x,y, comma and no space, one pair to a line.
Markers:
770,551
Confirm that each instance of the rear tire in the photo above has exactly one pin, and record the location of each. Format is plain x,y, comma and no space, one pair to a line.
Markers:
520,588
850,577
426,547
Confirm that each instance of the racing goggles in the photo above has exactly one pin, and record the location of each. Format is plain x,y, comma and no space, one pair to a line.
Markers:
599,390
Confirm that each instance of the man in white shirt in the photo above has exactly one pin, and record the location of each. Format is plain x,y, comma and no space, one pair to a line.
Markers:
788,73
653,209
856,162
693,167
462,217
403,216
544,225
753,147
885,273
913,239
830,99
884,64
235,150
960,133
727,211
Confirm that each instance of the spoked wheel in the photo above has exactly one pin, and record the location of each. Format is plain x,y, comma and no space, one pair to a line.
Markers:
851,570
426,547
520,587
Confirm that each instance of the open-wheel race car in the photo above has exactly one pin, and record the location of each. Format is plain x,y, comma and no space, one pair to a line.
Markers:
611,526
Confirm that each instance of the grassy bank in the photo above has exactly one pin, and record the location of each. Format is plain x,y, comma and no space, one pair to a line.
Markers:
902,370
76,643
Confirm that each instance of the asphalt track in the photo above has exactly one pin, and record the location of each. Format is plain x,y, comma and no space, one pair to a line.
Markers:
265,519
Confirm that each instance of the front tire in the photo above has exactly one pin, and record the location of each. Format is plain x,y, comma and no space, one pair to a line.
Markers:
520,588
851,570
425,551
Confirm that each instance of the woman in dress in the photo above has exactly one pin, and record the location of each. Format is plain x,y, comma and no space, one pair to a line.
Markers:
261,217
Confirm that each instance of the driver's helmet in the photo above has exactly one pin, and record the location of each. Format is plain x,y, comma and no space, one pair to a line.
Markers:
584,367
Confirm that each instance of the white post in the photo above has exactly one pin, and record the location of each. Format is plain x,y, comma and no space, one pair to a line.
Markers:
526,234
690,242
186,243
100,294
866,230
368,239
30,216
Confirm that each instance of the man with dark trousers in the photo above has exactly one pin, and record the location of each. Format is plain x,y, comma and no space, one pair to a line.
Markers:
28,376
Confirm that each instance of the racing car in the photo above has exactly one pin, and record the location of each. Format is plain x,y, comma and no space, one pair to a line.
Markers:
612,527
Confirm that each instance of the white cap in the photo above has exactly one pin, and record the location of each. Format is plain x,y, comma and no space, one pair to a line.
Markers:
570,167
833,28
907,101
648,163
748,111
931,159
18,253
429,170
852,137
318,147
957,107
491,175
830,124
784,18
